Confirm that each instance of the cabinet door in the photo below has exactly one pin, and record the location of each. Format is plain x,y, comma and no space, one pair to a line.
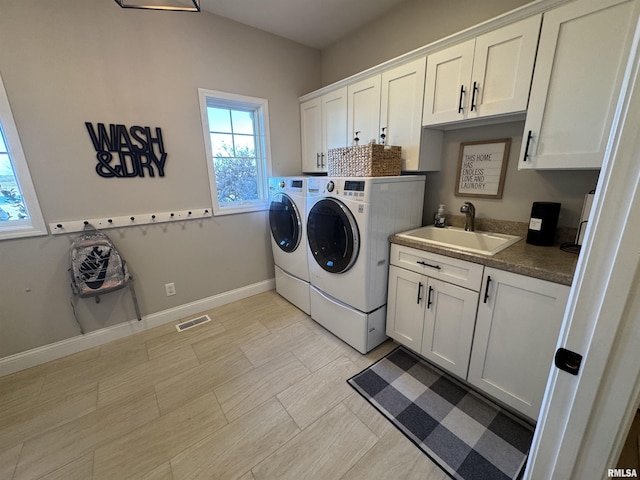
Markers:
448,326
311,135
363,113
405,307
401,109
581,60
517,329
502,69
334,122
446,93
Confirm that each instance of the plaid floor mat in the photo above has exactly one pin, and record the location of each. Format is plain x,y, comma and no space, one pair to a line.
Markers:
467,435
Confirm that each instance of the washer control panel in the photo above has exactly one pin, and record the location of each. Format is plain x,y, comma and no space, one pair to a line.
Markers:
353,188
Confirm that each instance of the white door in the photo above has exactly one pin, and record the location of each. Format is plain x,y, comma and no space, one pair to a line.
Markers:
517,327
401,110
448,326
446,93
334,122
311,135
405,307
363,115
582,53
502,69
585,418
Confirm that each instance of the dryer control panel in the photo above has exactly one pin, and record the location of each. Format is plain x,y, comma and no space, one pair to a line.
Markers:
354,188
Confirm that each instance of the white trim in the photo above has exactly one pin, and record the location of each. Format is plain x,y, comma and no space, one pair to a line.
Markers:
232,100
37,356
35,225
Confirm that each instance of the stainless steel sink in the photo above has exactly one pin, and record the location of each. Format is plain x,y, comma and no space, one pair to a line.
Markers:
483,243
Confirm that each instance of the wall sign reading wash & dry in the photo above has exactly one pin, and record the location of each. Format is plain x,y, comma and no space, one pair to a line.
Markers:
127,152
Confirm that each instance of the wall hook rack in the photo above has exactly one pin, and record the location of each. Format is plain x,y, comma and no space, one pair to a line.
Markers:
72,226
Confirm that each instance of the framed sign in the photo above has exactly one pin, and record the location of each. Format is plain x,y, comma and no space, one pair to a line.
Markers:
482,167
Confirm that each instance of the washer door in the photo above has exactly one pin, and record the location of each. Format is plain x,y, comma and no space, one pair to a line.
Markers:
333,235
285,222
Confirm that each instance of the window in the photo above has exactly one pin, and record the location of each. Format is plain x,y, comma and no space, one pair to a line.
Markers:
236,133
19,210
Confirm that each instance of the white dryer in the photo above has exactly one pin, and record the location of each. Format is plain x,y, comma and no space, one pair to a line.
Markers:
287,221
349,221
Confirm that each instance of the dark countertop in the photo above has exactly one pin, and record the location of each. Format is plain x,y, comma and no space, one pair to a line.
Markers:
546,263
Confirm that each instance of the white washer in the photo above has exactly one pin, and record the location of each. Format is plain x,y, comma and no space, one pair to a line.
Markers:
287,222
349,221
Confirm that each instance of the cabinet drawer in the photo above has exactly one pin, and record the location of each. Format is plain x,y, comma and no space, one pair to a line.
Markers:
441,267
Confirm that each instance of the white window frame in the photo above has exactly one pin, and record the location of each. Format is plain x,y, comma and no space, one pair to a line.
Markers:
35,225
261,107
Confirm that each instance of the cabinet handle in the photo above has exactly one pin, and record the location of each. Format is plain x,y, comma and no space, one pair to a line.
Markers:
473,96
526,148
322,160
383,136
419,292
460,108
437,267
486,290
318,160
429,302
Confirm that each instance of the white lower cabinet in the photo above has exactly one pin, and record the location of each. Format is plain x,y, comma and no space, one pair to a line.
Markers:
448,326
495,329
517,328
430,316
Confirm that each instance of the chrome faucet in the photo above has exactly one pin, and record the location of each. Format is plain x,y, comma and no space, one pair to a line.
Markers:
470,211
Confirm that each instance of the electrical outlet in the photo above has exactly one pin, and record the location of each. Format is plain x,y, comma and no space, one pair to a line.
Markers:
170,288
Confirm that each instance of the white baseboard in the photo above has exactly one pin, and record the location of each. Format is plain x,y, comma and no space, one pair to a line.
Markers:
37,356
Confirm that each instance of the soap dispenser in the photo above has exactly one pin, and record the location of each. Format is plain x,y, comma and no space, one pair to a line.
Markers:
440,217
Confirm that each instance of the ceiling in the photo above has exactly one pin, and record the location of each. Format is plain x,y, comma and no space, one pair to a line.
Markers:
315,23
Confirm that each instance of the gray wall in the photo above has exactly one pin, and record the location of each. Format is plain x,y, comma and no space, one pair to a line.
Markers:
521,187
416,23
65,62
408,26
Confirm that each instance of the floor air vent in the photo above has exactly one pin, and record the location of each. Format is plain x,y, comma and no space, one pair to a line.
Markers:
181,327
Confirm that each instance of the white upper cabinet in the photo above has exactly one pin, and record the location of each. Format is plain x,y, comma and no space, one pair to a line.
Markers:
323,126
484,77
402,90
311,135
502,69
363,114
580,67
387,108
447,84
334,120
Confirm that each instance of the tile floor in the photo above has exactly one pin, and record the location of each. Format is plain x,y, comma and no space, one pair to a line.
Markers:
259,392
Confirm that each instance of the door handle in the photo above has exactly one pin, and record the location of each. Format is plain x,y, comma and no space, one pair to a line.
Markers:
437,267
568,361
526,148
486,289
419,291
460,107
473,96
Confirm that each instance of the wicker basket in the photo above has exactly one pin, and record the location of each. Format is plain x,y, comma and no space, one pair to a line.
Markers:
364,161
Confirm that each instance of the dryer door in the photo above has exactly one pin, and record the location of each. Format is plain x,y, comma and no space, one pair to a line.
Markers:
285,222
333,235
